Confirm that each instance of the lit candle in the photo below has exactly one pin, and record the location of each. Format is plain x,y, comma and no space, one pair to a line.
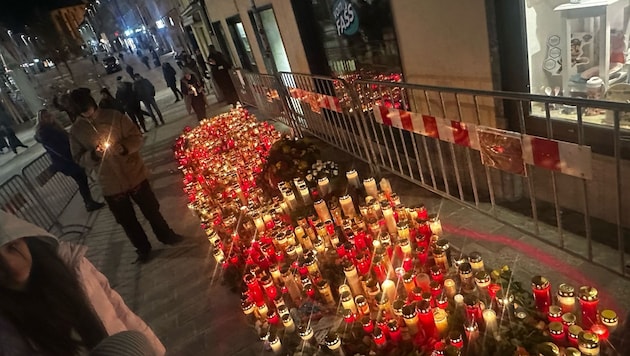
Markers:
353,178
589,299
472,330
601,331
368,324
440,317
588,344
482,280
379,338
389,287
388,215
554,314
287,321
409,282
435,225
411,318
370,187
557,333
322,210
423,281
289,198
324,186
609,319
394,331
573,333
450,288
333,341
262,310
347,206
305,194
259,222
476,261
490,320
350,270
386,187
347,302
274,342
542,293
566,298
325,292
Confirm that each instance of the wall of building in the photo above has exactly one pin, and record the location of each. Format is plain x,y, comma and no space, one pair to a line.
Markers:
219,10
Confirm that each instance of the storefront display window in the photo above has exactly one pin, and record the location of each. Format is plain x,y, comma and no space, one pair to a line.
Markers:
591,36
359,38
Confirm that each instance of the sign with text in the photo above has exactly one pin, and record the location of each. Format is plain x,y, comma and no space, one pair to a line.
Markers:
346,18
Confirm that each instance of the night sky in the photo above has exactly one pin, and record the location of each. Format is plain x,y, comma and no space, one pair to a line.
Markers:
14,14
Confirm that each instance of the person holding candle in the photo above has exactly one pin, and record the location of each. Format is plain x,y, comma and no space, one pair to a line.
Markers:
107,141
53,301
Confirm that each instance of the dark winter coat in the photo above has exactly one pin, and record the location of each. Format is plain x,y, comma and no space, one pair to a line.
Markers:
111,103
56,142
170,75
144,89
127,96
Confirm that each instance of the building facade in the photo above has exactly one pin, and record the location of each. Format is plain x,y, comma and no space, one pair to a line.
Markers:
67,21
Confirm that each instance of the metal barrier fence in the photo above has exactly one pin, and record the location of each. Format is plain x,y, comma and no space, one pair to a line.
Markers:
40,196
444,140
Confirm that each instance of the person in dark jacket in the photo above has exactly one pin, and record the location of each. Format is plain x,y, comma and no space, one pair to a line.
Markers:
109,102
170,77
127,96
220,70
130,71
192,88
7,131
146,93
156,59
145,60
56,142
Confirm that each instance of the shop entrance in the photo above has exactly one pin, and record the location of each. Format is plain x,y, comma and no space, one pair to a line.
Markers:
220,35
241,43
272,45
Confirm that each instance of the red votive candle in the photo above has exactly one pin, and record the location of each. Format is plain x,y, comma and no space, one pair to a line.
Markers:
554,314
436,274
368,324
379,337
573,335
542,293
455,338
255,292
394,331
557,333
589,299
425,314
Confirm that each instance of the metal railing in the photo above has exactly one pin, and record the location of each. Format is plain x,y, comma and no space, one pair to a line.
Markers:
40,195
445,140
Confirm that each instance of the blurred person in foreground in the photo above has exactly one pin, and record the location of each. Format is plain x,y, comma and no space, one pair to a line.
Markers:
56,142
107,141
53,301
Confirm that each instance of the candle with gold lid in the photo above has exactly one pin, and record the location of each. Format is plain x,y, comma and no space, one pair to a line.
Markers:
476,261
350,270
542,293
411,318
609,319
547,349
362,305
588,344
435,224
554,314
440,318
409,282
370,187
589,299
571,351
568,319
482,280
566,298
557,333
573,333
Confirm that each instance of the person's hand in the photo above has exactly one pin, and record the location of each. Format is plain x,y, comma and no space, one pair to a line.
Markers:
99,151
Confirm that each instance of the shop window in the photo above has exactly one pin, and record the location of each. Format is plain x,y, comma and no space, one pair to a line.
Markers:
359,38
578,49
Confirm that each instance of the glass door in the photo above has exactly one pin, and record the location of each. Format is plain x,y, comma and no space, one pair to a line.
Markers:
275,57
241,43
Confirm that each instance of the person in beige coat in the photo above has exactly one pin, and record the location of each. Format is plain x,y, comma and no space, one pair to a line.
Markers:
108,142
53,301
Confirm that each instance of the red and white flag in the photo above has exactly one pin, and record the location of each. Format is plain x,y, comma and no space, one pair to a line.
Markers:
567,158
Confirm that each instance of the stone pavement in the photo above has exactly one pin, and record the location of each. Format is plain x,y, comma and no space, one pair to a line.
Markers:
179,293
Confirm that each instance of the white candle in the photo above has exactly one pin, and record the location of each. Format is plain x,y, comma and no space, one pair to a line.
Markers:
258,220
352,276
370,187
490,318
390,221
348,302
347,206
289,198
275,273
353,178
287,321
305,194
276,346
322,210
435,225
386,187
324,186
389,288
441,320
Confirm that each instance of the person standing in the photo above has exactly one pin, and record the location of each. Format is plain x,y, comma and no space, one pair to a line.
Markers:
220,70
146,93
170,77
57,144
193,91
127,96
109,142
145,60
53,301
7,131
129,69
109,102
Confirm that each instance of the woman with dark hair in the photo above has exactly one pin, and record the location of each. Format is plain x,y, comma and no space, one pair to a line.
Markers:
193,91
56,142
53,301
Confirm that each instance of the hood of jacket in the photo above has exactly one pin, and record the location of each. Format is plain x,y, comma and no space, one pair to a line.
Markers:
13,228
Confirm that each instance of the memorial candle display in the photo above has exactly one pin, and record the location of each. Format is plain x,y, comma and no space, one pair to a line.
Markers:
391,264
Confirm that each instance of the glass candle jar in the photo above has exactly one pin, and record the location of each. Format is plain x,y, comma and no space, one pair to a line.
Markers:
324,291
589,299
347,206
557,333
482,280
601,331
379,338
450,288
370,187
435,224
411,318
367,324
362,305
440,318
348,302
542,293
476,261
554,314
466,277
566,298
588,344
395,334
568,319
473,308
609,319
